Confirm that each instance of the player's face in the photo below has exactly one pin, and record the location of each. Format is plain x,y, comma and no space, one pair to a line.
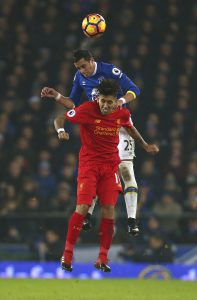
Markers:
107,104
85,67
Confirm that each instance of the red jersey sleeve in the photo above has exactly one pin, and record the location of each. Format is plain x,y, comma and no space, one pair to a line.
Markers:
126,118
79,114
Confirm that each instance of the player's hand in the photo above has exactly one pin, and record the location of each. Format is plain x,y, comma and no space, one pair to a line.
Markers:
152,149
119,103
49,92
63,136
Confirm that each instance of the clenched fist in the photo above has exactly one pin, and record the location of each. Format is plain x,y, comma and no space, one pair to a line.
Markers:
63,136
152,149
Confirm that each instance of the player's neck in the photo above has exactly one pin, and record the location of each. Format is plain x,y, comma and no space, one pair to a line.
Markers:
95,68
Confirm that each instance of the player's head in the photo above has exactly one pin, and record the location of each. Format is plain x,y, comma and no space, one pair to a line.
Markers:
84,62
108,90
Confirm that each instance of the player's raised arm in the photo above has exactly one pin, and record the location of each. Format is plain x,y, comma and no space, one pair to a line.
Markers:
131,90
77,115
127,86
60,99
128,97
134,133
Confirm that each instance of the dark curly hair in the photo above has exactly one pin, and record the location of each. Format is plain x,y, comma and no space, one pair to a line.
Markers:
108,87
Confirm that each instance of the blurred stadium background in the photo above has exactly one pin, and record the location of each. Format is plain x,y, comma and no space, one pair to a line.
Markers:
153,42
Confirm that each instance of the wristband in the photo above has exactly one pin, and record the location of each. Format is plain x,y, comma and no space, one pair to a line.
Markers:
58,96
60,130
131,92
123,100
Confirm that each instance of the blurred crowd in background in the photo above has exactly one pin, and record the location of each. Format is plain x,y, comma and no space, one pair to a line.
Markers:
154,43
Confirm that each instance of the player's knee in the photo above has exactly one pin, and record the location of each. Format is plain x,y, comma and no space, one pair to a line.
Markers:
124,171
82,209
107,211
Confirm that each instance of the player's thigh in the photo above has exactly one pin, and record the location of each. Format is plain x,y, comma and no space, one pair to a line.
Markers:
108,198
86,185
109,187
126,171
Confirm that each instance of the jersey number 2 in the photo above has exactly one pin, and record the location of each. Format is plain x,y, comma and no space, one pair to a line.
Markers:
128,146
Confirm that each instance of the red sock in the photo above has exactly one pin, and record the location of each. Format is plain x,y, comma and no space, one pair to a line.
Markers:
106,232
74,229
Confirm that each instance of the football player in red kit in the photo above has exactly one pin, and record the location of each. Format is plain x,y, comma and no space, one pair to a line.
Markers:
99,122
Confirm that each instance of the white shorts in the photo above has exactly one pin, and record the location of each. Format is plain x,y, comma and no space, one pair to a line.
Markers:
126,145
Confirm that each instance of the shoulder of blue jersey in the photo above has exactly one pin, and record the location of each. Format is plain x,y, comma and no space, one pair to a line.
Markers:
110,70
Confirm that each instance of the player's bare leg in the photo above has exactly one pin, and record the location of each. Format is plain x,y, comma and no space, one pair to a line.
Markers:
130,195
87,224
74,229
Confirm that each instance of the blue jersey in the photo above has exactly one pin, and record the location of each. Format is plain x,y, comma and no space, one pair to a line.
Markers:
102,71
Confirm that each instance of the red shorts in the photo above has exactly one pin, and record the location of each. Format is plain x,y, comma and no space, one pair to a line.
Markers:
100,180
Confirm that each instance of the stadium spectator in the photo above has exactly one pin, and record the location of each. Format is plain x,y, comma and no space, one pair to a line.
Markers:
169,211
50,248
157,251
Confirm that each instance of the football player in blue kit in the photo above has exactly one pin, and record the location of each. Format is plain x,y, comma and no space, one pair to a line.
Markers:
88,76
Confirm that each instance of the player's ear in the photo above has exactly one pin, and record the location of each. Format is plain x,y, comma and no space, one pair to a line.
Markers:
116,103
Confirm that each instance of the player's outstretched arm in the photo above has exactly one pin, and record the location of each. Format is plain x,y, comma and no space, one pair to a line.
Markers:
134,133
128,97
53,94
126,84
59,127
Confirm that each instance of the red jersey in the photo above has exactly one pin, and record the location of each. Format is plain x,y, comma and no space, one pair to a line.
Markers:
99,133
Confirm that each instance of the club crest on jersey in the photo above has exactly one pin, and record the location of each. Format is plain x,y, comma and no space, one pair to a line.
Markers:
81,185
71,113
95,94
97,121
100,79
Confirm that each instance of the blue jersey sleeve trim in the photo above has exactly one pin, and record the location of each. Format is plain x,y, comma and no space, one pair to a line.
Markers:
127,84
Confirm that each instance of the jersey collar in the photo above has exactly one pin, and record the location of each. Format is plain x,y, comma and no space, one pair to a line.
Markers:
95,70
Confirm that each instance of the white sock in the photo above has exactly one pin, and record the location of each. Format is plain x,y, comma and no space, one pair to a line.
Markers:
131,203
91,208
130,187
